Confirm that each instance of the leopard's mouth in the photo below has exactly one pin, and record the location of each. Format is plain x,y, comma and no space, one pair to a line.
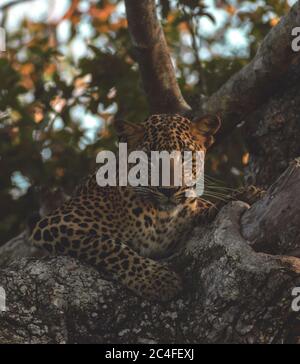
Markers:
166,201
167,205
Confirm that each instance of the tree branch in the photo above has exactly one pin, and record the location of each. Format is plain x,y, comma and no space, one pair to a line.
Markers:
152,54
273,224
233,295
248,88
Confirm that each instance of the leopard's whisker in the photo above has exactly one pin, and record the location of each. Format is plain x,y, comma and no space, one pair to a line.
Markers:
217,197
206,201
220,188
216,192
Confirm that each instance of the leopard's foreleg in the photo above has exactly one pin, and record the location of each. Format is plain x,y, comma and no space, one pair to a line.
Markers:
145,277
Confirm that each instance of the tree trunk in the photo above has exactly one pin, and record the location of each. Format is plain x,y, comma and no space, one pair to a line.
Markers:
273,131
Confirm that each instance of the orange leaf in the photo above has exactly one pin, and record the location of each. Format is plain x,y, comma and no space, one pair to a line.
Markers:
26,69
58,103
274,21
60,172
121,23
72,9
102,14
230,9
38,116
245,159
183,26
50,69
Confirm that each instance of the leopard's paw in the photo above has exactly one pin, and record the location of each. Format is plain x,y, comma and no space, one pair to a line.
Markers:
164,285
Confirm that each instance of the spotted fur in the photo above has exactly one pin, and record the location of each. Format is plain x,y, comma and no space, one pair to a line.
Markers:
123,231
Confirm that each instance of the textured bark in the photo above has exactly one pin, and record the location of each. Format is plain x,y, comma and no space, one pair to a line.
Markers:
273,132
250,87
152,54
273,223
233,295
16,248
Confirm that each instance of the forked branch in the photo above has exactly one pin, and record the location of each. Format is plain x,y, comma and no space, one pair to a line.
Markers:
153,57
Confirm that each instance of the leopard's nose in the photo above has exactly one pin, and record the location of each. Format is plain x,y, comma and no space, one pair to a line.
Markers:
167,191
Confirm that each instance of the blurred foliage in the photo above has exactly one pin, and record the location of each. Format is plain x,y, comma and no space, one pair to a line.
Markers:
47,91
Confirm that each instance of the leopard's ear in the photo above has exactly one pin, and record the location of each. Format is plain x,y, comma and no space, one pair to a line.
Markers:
128,132
205,127
207,124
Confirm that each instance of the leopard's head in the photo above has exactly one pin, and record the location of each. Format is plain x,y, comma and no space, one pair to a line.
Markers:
169,133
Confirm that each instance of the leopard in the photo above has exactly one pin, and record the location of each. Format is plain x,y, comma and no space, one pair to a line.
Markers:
126,231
